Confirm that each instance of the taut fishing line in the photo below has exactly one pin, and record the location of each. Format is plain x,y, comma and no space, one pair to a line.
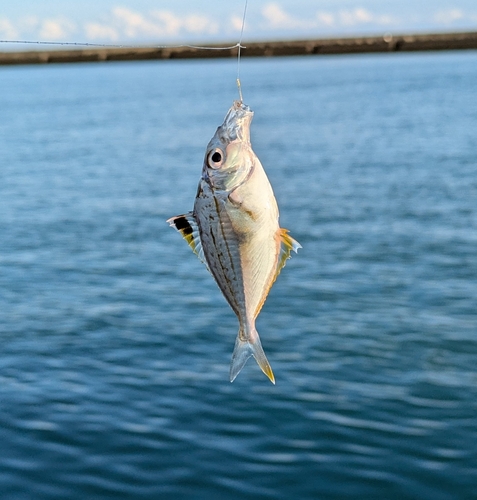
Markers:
115,46
238,45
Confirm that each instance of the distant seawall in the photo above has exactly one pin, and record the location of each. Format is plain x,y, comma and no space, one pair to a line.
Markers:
356,45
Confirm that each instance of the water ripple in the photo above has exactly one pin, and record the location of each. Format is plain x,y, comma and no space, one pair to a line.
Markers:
116,342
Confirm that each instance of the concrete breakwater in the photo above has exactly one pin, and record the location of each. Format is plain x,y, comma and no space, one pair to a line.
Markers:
366,44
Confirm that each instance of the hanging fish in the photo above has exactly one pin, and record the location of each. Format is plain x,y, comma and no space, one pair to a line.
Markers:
234,230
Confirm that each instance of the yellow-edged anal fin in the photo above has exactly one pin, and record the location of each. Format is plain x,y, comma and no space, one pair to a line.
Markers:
187,226
287,244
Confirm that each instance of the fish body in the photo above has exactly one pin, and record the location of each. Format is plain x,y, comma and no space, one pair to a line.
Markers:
234,230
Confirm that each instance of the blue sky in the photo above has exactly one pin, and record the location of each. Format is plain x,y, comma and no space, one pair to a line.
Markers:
169,21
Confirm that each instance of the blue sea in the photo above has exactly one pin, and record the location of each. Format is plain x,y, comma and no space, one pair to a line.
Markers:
116,342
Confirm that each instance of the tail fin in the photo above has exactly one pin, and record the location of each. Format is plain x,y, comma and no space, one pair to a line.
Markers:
243,350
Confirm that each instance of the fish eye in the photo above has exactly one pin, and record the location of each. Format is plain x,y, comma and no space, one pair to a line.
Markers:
215,158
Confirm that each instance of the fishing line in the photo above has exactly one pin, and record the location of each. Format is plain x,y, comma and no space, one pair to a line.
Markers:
239,45
113,46
123,46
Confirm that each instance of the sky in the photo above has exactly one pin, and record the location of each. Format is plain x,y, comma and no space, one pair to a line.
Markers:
193,21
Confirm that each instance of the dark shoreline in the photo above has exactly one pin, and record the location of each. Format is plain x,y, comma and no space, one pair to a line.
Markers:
355,45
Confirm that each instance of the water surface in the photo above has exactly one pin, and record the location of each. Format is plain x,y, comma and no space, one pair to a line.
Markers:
116,342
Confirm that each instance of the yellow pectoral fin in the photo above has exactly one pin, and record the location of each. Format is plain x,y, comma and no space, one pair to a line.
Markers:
187,226
287,244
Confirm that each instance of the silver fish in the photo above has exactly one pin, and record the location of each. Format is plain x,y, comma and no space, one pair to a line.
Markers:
234,230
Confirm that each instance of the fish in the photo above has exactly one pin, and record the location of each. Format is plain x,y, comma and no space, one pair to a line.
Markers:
234,230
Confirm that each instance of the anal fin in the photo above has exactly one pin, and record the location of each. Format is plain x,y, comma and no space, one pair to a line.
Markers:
287,244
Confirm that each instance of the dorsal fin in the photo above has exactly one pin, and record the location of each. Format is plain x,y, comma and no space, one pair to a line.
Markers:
187,226
287,244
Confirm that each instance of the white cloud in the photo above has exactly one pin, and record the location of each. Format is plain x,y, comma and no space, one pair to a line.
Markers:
356,16
126,23
167,23
32,28
97,31
362,16
132,24
448,16
170,24
56,29
7,30
236,23
123,25
199,24
325,18
276,17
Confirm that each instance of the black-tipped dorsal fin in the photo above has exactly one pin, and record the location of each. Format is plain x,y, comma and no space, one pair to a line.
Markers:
187,226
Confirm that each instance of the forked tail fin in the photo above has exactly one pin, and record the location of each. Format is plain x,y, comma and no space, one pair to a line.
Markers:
243,350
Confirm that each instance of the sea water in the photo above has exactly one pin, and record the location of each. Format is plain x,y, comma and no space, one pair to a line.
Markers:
116,342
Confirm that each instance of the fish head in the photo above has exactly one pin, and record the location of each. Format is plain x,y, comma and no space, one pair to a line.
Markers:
229,158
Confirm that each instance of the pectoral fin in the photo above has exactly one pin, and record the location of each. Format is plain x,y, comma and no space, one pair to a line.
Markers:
187,226
287,244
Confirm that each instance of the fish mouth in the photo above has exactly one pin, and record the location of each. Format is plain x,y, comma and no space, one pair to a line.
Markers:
239,105
237,122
